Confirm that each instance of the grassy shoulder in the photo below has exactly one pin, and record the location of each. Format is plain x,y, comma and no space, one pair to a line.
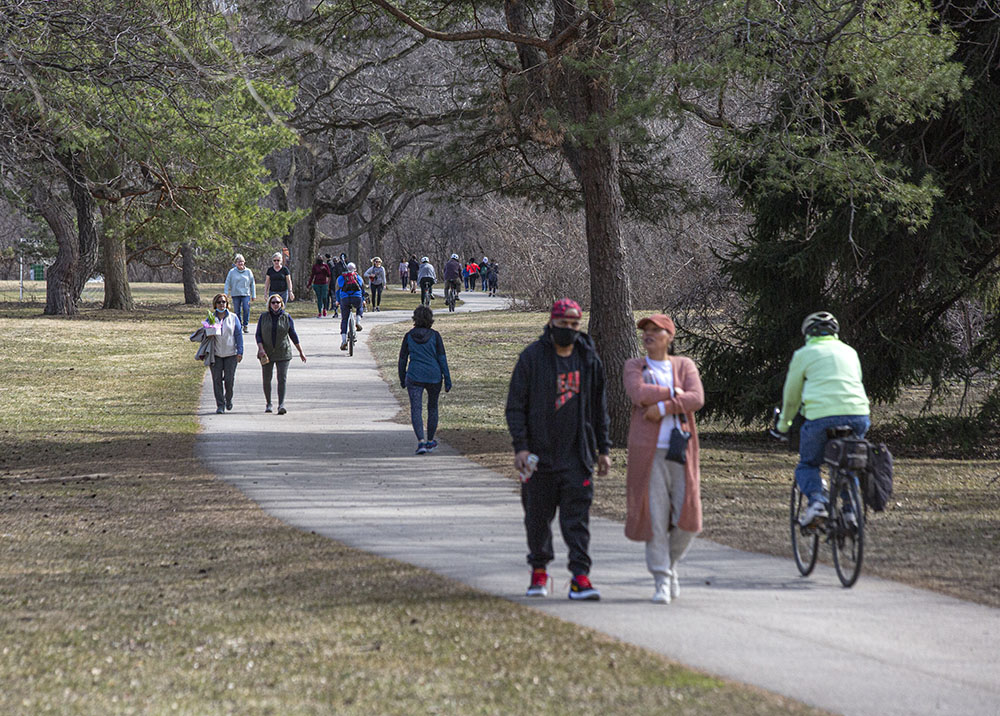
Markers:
131,581
942,532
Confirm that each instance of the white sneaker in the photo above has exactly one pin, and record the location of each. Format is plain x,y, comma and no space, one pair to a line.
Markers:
662,593
815,511
675,585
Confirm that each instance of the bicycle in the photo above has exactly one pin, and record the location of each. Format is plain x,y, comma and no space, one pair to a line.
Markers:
352,333
426,286
844,526
451,294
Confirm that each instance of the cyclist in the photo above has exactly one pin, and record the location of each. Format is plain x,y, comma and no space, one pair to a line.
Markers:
824,378
426,277
349,294
453,276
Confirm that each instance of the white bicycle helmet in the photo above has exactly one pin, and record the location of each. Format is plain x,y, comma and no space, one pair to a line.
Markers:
821,323
454,256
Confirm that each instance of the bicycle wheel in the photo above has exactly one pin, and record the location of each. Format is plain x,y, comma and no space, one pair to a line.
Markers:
351,335
805,543
847,537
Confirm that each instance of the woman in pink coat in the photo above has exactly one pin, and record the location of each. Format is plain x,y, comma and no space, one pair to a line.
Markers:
663,496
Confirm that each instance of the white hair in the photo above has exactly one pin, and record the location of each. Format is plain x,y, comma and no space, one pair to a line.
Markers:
239,257
351,267
277,255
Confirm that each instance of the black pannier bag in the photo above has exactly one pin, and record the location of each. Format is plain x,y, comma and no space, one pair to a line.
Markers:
877,484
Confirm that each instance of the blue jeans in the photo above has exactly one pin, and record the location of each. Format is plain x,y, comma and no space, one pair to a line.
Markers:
241,307
416,392
345,310
812,441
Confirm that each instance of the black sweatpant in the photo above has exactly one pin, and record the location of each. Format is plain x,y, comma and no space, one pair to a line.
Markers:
571,493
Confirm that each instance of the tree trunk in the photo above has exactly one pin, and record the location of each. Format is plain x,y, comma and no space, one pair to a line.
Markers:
612,323
300,193
303,245
354,222
87,224
60,279
376,228
192,297
117,292
595,163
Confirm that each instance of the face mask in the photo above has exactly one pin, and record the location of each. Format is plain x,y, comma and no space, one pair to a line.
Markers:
563,336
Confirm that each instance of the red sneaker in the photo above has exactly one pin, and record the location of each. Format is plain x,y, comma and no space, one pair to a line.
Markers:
539,583
581,588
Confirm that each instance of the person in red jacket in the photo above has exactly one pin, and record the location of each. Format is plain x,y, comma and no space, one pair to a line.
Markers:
319,280
472,271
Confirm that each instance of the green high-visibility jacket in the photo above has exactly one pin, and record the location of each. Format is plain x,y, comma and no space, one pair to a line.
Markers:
824,378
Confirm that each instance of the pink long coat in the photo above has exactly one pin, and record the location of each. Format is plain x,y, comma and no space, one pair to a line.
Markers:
642,436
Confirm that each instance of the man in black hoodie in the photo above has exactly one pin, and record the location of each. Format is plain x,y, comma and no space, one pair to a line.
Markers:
557,414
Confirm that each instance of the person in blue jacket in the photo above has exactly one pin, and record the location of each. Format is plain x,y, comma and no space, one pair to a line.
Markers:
423,365
349,294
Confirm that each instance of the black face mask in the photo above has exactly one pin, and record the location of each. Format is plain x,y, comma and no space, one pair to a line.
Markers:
563,336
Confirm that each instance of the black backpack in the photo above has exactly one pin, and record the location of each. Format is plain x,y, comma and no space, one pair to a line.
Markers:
877,485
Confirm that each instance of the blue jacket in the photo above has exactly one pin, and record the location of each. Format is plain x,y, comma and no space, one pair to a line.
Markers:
342,294
240,283
423,349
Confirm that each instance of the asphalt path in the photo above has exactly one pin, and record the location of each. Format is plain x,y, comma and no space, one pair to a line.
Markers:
338,465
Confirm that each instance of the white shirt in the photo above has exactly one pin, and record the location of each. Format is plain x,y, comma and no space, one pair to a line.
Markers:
663,374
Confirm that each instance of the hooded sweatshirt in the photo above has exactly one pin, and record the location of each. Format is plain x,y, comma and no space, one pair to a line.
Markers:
531,401
423,349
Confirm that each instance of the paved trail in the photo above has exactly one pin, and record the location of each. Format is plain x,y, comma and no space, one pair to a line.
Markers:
888,648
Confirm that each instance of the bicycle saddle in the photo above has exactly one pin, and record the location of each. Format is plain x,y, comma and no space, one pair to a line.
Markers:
841,431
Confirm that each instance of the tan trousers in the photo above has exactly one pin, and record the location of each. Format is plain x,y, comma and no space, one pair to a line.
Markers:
666,496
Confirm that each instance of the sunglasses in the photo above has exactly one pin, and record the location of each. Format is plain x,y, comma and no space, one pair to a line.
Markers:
277,261
275,303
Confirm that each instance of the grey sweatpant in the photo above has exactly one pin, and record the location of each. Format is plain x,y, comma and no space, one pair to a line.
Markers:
666,496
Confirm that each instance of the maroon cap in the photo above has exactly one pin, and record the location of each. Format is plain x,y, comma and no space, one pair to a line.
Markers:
566,308
660,320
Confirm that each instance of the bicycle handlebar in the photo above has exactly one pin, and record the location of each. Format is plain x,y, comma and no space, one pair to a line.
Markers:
773,432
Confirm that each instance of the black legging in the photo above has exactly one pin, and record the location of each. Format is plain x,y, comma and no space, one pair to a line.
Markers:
376,294
268,370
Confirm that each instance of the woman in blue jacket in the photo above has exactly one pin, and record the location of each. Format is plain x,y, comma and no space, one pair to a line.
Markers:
422,366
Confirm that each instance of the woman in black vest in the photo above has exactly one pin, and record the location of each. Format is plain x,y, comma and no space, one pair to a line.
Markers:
275,336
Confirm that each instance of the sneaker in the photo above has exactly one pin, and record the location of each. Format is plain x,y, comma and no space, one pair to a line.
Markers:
539,586
343,346
359,327
229,406
319,315
815,511
267,409
281,410
850,520
377,309
581,588
220,410
324,313
421,448
662,593
675,585
430,445
246,329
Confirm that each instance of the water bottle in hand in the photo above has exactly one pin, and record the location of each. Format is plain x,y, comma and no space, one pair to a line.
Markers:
530,463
